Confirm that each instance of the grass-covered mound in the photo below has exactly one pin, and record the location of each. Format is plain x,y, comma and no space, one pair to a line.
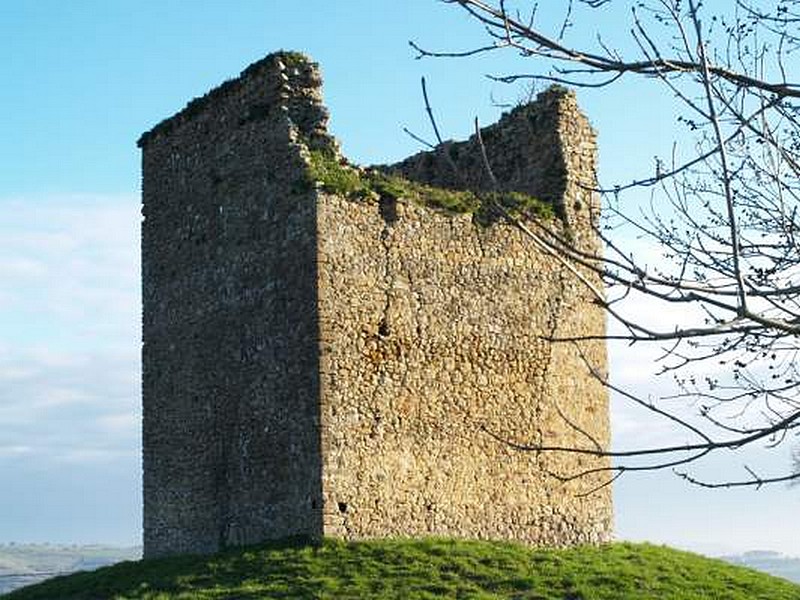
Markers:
424,569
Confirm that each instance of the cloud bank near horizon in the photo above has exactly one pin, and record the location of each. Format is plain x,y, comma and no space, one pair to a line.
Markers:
69,316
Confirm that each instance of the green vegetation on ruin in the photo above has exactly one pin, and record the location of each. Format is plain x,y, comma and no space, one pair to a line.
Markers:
292,58
418,569
337,177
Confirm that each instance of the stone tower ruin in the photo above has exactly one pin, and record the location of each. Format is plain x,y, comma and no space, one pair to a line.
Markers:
329,349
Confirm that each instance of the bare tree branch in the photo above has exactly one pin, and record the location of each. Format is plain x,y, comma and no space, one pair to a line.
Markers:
723,219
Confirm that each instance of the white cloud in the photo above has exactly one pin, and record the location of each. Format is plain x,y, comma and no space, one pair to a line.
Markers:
70,258
69,328
126,423
16,372
20,267
14,450
83,456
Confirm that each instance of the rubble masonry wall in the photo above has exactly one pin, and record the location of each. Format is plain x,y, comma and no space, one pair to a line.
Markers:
318,365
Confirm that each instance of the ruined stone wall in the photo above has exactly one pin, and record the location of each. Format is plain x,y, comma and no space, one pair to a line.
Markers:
436,328
315,364
546,148
230,362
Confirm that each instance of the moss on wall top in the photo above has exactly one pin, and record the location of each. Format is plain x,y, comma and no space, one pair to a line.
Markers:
336,176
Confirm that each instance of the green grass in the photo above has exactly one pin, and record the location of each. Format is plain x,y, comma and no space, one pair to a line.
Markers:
341,179
417,569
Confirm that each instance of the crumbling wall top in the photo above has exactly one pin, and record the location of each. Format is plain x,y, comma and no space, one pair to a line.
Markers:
544,150
292,83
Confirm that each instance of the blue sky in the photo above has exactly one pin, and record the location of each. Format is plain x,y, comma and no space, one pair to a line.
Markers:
83,79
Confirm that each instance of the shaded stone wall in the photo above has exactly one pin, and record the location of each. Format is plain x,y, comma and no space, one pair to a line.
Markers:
230,362
315,365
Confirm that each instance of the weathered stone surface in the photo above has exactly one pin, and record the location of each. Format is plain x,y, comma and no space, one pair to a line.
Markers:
315,365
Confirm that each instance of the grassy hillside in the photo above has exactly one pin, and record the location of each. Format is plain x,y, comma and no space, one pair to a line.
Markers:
424,569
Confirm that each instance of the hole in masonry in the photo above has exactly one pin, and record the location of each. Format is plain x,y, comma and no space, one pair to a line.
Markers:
342,507
383,328
388,209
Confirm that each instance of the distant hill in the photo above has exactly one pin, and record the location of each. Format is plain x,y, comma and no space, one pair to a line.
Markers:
23,564
774,563
423,569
